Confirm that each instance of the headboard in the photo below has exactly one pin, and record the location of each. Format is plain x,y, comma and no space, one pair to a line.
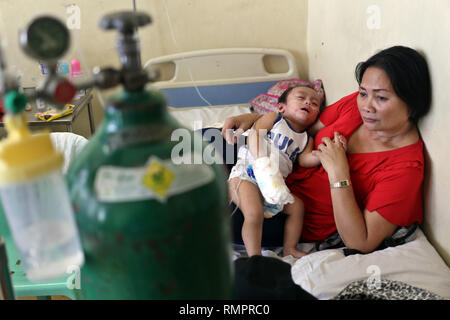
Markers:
220,76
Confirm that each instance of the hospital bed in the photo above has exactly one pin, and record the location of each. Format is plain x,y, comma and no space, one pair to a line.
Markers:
211,85
205,87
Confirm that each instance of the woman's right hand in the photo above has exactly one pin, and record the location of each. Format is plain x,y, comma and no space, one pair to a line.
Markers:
235,126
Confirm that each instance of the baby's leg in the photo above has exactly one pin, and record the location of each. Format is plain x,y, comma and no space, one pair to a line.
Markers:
247,197
293,228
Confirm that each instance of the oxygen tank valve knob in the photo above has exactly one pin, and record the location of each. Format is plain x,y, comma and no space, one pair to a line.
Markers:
126,22
132,76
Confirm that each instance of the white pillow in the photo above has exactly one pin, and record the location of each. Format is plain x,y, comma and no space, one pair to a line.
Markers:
325,273
69,144
203,117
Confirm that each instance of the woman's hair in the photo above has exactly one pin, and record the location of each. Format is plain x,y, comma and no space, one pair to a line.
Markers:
409,75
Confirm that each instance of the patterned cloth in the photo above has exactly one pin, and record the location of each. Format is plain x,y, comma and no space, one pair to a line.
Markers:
384,290
400,236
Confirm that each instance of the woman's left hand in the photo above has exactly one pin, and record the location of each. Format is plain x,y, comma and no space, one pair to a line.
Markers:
333,157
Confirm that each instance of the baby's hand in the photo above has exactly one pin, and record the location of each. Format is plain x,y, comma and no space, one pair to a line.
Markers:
343,141
340,138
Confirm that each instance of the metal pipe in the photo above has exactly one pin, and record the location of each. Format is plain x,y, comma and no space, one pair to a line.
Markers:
6,288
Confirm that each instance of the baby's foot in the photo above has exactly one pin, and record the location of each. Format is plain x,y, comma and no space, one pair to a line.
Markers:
294,252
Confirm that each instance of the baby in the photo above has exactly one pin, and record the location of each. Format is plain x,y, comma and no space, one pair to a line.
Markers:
298,109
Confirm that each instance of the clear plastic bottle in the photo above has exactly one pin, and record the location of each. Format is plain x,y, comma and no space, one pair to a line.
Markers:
36,203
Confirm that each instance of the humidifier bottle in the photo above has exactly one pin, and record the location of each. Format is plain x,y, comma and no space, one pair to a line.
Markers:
35,198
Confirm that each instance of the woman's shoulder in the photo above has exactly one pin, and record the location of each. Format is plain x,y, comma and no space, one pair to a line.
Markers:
350,97
400,159
410,156
340,110
347,101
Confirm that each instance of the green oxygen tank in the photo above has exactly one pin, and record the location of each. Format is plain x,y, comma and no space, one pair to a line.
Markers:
153,224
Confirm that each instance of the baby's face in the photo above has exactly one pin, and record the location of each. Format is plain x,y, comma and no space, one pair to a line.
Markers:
302,106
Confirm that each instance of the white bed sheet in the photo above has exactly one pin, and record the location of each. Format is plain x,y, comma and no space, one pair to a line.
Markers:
204,117
326,273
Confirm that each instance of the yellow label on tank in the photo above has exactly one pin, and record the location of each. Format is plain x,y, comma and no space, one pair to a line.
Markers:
158,178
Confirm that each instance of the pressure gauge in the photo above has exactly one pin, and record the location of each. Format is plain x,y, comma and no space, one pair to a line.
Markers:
45,38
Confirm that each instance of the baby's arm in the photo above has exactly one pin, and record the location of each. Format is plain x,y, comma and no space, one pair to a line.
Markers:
316,127
260,129
306,159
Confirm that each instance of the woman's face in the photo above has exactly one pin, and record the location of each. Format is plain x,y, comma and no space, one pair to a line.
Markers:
380,107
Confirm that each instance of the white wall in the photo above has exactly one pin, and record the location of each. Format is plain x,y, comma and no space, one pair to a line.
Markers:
345,32
196,25
90,45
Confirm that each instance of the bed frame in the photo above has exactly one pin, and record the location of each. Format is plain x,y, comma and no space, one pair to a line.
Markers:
219,76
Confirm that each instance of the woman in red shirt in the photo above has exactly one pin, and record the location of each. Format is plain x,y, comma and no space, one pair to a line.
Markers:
376,187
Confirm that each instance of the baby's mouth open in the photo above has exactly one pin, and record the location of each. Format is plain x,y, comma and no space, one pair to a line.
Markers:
305,109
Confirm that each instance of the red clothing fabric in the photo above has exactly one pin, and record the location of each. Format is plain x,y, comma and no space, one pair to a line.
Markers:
388,182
